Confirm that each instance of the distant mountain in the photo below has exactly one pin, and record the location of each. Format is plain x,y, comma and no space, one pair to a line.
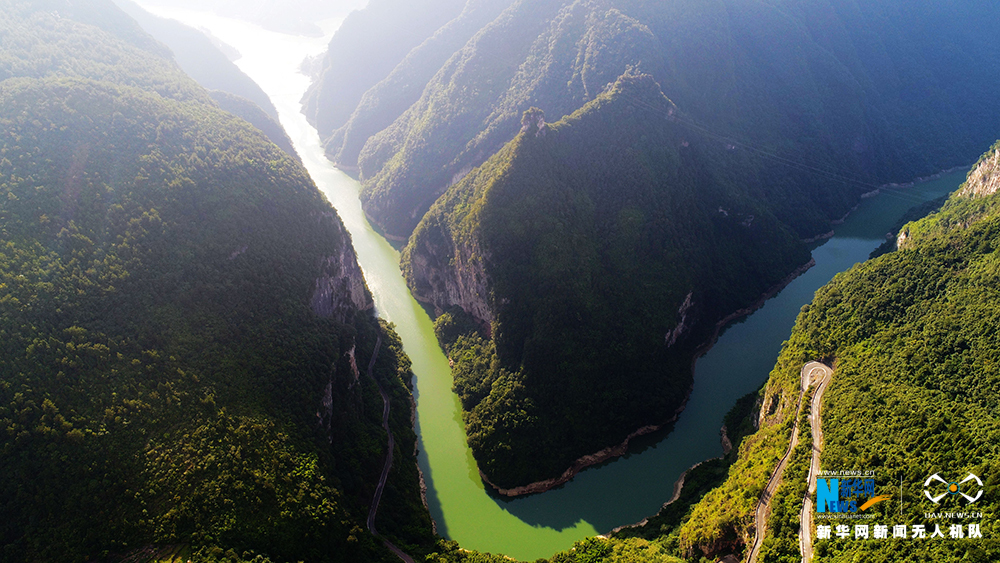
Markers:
184,327
910,334
390,97
783,114
201,59
868,93
368,45
298,17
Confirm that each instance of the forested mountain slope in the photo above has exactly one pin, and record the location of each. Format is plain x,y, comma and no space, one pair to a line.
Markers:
198,57
786,111
233,90
183,324
912,335
880,91
368,45
390,97
252,114
599,251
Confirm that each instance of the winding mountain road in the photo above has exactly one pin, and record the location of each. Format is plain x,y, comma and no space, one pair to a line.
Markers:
811,372
815,423
388,461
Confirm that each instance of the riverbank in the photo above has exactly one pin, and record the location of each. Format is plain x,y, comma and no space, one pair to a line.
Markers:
582,463
621,449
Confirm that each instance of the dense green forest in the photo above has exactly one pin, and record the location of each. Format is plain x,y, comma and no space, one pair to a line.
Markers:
603,219
784,113
912,335
183,326
878,91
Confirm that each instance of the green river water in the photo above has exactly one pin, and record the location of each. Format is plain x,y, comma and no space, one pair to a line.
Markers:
601,498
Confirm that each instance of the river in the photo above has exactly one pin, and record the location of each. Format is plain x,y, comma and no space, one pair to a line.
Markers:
601,498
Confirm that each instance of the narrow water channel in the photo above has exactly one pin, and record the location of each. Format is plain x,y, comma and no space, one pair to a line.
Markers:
599,499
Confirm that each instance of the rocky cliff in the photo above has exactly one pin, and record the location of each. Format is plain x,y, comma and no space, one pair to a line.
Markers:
445,273
340,288
984,179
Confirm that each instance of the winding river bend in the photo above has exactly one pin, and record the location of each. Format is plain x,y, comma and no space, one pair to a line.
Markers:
601,498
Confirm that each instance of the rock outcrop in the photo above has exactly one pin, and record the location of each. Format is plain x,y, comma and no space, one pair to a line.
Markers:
444,273
684,324
984,179
340,289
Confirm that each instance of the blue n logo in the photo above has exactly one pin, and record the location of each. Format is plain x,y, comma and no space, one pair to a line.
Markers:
827,495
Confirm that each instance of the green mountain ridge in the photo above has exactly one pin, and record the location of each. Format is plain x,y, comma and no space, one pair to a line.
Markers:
199,57
389,98
911,335
611,210
360,51
859,90
182,322
798,108
534,54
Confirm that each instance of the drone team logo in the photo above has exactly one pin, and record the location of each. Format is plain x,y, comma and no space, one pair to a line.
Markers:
951,488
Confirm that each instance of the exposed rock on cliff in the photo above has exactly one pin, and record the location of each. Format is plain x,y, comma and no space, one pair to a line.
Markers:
683,324
340,289
984,179
445,273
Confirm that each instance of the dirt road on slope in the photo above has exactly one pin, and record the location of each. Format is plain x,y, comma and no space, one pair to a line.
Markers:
815,423
388,461
811,372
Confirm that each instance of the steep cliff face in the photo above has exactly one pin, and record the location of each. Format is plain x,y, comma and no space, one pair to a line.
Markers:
340,288
984,179
445,273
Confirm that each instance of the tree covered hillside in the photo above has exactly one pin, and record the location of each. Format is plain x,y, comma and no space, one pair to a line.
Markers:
369,43
784,114
598,251
390,97
233,90
913,338
878,91
183,325
198,57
